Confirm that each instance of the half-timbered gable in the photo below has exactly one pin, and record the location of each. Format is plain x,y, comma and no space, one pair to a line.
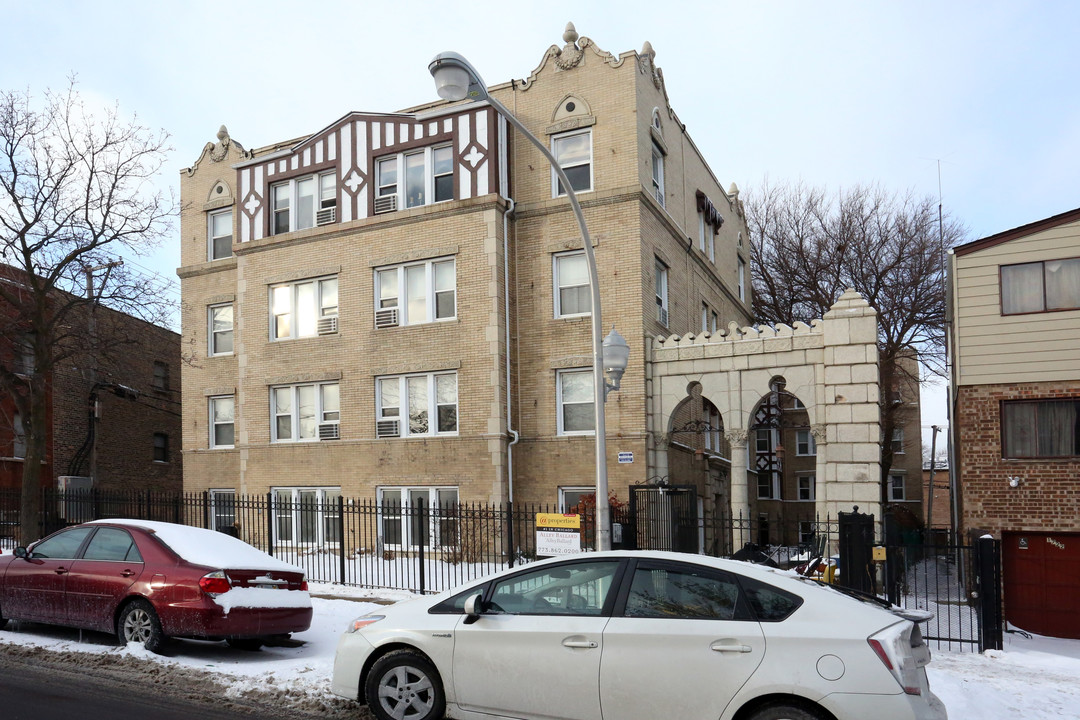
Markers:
367,164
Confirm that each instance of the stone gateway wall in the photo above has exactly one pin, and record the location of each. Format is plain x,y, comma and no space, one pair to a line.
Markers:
831,365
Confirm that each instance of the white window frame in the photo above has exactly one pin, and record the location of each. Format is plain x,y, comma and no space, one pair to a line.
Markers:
589,163
323,308
559,375
323,415
211,334
898,441
712,435
558,286
580,490
772,440
211,237
704,317
325,508
437,524
431,290
742,280
400,165
660,284
318,200
217,501
897,481
805,444
433,404
811,487
657,172
211,403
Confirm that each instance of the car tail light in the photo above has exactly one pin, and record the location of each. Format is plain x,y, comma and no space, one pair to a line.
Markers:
215,583
303,585
893,647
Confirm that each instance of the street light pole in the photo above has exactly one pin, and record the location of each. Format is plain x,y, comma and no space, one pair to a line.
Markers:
457,79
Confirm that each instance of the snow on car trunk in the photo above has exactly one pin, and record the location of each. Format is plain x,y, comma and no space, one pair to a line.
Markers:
262,598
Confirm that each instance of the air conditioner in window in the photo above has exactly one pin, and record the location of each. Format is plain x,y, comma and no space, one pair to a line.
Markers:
328,325
387,317
329,431
326,216
663,317
385,204
387,428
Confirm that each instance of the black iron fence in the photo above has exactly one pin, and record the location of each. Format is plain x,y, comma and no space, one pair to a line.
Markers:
423,548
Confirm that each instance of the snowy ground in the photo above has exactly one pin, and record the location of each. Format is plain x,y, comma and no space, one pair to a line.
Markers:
1031,679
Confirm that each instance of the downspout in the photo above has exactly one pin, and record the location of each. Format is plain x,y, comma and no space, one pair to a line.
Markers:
504,189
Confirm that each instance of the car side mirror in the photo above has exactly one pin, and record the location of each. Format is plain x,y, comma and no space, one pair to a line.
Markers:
473,608
20,552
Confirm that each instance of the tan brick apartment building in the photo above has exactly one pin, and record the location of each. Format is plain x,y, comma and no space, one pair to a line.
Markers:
1015,302
396,306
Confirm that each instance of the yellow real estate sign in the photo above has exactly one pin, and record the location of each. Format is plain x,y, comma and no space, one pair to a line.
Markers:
557,534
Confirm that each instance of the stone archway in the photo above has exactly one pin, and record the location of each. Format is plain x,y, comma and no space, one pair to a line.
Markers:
831,365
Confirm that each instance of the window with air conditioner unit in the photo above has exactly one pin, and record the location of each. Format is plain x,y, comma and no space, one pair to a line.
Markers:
412,179
416,293
416,405
305,413
303,202
304,309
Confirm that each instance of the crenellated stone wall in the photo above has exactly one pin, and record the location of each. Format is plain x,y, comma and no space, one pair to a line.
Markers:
831,365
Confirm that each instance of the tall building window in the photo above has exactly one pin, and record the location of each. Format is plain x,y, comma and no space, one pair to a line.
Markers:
1040,286
222,419
414,405
18,440
304,309
1042,428
575,400
660,281
222,509
806,486
161,376
161,447
220,232
572,294
898,441
410,516
573,151
416,293
307,515
302,413
221,329
896,487
658,174
704,317
303,202
742,279
805,443
428,176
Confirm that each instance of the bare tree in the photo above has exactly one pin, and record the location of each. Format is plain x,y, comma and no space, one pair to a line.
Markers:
75,194
808,246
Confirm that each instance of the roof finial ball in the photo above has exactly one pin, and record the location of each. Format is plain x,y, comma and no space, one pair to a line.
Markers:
570,36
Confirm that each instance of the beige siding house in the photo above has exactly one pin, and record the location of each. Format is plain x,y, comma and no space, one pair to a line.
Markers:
1015,353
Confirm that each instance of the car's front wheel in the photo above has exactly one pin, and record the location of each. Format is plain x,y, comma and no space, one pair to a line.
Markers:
139,623
404,685
784,711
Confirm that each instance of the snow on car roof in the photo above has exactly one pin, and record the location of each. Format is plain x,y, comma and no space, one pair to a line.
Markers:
207,547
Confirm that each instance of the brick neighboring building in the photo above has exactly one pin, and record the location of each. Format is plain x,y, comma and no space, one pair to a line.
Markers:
1016,389
396,305
136,440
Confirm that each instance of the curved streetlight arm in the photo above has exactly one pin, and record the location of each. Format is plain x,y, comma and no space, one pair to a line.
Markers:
476,91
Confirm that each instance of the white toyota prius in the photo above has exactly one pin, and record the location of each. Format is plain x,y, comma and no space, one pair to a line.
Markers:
639,636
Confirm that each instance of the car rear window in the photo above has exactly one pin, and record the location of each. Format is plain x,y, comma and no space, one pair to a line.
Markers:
770,604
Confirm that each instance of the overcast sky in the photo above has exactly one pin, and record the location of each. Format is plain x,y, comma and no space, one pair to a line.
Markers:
833,93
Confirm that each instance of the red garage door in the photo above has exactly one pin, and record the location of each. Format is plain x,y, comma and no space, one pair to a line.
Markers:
1042,582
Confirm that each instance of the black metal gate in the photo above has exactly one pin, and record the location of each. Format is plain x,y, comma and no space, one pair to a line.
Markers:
663,518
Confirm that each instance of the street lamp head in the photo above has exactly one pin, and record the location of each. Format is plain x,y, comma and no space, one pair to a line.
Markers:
455,78
616,357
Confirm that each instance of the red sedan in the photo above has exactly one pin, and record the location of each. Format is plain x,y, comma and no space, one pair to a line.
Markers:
148,581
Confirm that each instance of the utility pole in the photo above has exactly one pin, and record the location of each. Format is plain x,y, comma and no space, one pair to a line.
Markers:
933,452
92,360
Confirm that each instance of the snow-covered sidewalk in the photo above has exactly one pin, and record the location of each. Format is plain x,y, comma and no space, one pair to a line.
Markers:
1031,679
